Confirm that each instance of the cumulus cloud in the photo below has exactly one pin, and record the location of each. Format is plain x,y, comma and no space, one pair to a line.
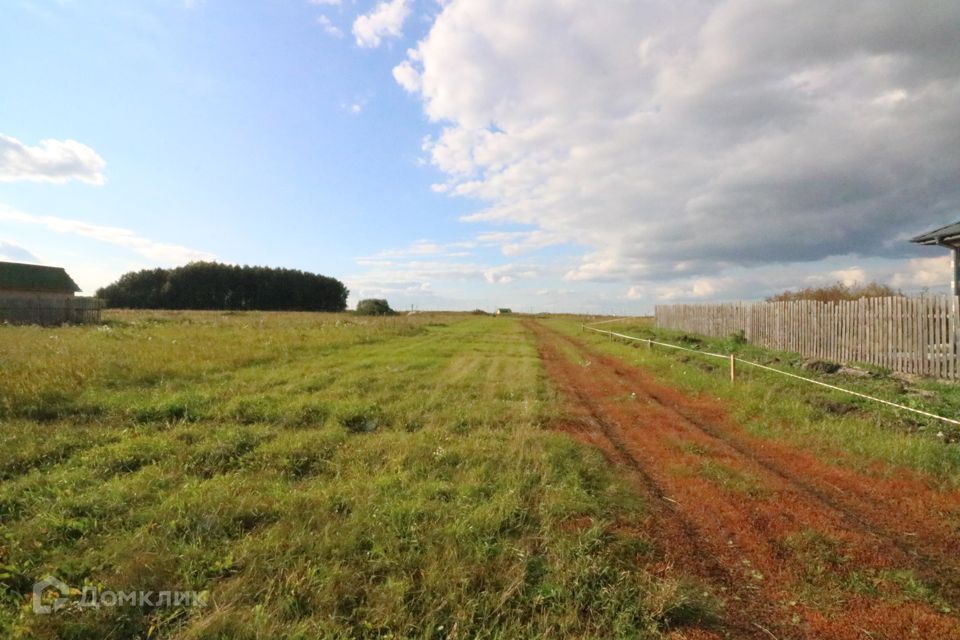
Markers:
505,274
406,76
385,21
157,251
923,272
514,243
849,276
328,27
49,161
679,140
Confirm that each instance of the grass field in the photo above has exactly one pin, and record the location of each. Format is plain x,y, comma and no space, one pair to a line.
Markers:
331,476
317,476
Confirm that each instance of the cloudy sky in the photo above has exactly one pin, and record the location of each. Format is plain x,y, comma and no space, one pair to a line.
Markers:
542,154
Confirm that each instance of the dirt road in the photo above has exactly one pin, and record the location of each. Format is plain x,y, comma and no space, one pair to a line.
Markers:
795,547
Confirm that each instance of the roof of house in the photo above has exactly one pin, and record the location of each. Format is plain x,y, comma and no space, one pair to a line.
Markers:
949,235
34,277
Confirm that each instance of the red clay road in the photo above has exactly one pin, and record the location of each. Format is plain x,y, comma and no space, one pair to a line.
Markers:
794,547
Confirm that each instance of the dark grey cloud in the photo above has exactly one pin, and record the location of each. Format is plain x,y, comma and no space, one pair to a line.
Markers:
685,137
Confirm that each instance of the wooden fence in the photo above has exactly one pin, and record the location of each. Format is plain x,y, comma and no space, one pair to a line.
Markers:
906,335
49,311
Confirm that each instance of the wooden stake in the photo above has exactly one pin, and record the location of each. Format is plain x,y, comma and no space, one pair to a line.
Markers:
733,368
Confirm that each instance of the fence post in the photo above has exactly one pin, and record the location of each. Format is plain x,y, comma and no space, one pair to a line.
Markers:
733,368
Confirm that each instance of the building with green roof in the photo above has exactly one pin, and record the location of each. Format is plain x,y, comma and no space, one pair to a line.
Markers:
37,294
36,279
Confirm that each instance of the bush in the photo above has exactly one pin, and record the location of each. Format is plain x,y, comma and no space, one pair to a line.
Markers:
374,307
837,292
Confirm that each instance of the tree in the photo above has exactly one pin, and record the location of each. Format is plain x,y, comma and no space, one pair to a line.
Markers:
374,307
210,285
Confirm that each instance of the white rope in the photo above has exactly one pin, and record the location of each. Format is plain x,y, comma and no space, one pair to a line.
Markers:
593,324
785,373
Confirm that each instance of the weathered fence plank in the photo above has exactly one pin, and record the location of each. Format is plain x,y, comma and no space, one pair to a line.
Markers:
906,335
49,311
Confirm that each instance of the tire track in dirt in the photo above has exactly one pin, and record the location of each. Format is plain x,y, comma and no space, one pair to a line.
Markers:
797,548
685,550
935,553
902,509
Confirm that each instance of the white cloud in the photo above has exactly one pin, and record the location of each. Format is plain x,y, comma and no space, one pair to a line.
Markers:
406,76
329,3
505,274
510,243
427,248
513,243
850,276
329,28
695,289
426,269
682,141
160,252
50,161
355,107
385,21
16,253
924,272
635,293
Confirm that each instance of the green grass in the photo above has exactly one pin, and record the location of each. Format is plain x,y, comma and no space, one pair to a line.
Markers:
837,426
317,476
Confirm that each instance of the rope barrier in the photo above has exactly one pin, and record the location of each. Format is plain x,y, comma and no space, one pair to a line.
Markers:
733,359
593,324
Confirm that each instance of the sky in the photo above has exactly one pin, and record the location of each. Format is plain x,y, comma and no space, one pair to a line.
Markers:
545,155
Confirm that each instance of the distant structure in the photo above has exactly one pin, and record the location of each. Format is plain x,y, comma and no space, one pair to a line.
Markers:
948,237
33,280
35,294
503,311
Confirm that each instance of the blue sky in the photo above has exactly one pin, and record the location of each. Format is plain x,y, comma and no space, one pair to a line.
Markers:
536,154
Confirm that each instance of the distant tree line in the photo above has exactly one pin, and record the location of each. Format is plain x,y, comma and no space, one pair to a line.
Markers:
210,285
838,291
